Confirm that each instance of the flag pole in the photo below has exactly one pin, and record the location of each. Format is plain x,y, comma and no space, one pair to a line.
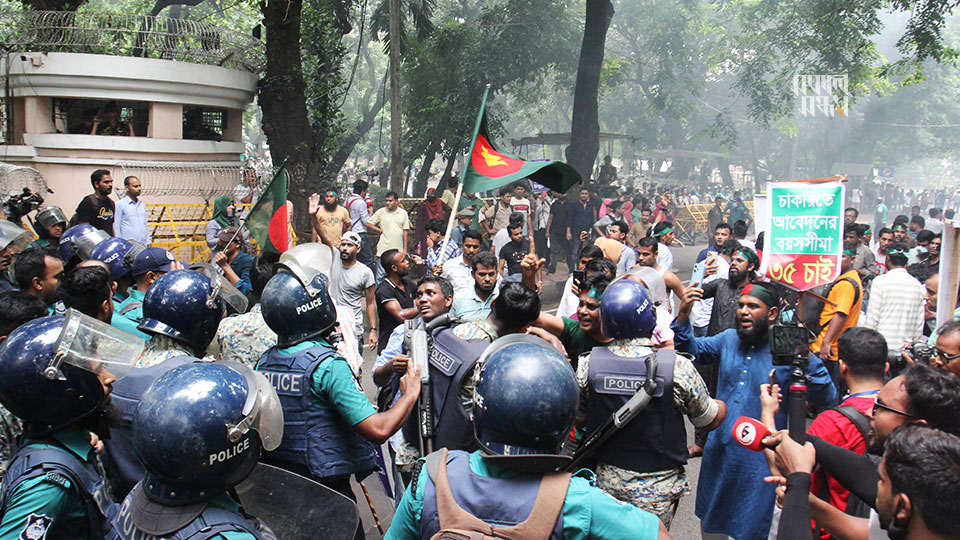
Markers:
259,200
466,164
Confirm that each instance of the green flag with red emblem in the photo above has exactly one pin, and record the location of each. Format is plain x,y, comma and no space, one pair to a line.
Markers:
269,219
490,168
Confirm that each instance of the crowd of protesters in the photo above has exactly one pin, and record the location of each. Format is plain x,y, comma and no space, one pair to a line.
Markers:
881,455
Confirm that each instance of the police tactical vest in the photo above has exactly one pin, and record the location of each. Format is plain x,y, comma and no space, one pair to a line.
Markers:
500,502
316,441
213,521
655,440
59,466
451,361
123,467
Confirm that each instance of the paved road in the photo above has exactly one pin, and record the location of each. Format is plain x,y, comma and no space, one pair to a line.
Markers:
685,524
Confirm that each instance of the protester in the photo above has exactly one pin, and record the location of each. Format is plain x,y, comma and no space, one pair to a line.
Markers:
224,216
356,205
640,227
583,214
459,270
352,285
896,302
436,229
663,232
391,223
648,255
232,258
556,236
842,311
330,220
394,295
430,209
745,363
38,270
475,302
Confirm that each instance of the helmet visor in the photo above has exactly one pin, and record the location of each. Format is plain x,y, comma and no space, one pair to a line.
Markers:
307,261
261,412
14,237
222,288
50,216
85,243
95,346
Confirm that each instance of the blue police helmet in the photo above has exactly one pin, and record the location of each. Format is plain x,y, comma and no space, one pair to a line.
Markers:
185,306
524,404
295,313
626,311
44,403
79,241
112,251
200,428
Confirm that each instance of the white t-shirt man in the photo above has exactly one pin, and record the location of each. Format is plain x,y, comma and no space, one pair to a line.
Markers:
521,206
348,287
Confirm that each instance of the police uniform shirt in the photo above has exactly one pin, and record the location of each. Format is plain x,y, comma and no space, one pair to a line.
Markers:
587,511
333,386
48,506
125,324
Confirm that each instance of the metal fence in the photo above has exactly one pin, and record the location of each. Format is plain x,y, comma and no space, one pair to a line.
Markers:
184,178
130,35
13,178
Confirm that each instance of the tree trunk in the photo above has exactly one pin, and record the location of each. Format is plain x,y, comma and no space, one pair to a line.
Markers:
350,140
724,166
281,95
396,118
585,124
420,186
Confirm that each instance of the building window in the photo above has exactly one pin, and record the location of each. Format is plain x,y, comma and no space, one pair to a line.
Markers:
101,117
204,123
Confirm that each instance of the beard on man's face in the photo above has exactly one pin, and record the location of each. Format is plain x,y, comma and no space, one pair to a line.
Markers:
329,207
754,334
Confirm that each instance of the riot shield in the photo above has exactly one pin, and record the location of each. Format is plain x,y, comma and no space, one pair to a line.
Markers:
297,508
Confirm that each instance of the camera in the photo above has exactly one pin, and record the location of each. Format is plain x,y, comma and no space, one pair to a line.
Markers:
789,344
918,350
18,205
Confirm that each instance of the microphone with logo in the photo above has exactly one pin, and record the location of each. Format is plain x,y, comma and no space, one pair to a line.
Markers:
749,432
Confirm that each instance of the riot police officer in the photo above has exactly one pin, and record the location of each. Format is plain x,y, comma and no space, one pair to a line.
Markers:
195,446
115,253
13,239
50,224
330,423
525,404
77,242
54,485
182,310
643,462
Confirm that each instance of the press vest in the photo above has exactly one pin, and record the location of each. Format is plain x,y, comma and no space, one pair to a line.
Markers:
500,502
85,476
451,360
655,440
316,441
120,460
212,521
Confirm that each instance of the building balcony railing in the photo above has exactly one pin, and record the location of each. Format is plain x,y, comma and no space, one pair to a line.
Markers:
141,36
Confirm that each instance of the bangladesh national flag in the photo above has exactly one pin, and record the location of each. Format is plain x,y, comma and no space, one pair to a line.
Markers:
490,168
269,221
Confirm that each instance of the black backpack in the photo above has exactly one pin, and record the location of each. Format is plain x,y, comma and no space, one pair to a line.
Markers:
812,306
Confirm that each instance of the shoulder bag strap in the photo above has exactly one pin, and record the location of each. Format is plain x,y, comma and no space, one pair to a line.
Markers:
451,515
546,510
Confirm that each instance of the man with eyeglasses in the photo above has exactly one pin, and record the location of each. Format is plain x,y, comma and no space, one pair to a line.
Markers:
946,355
921,395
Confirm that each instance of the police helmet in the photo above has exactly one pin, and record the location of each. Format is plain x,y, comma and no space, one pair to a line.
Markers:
79,241
295,302
112,252
51,368
13,236
184,305
199,430
524,403
48,217
626,311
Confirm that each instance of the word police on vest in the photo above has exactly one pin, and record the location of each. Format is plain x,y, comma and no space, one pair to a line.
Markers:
314,304
284,383
231,452
749,432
